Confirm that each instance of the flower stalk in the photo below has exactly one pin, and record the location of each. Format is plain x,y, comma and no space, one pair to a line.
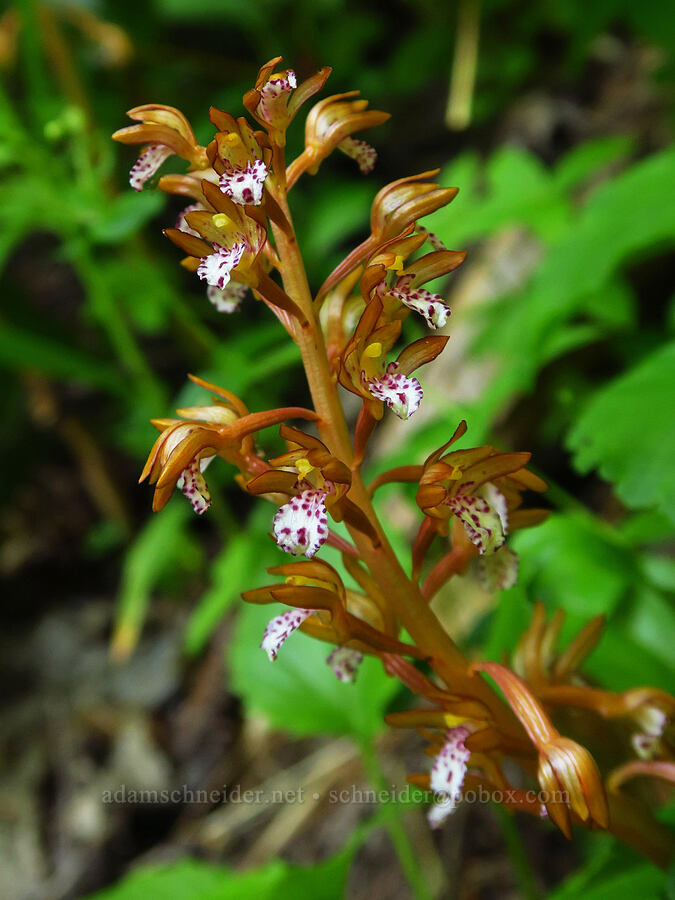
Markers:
239,238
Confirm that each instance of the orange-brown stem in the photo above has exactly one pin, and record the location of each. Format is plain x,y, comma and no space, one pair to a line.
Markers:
453,563
409,606
404,595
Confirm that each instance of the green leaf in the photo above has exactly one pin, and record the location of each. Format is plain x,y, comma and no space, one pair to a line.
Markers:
520,190
574,562
230,575
510,620
126,214
608,876
620,661
625,217
585,159
298,692
244,15
194,880
191,879
627,432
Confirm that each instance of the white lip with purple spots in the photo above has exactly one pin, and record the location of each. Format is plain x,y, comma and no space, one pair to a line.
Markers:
245,185
301,525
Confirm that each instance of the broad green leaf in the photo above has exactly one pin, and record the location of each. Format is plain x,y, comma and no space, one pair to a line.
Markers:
627,432
519,191
573,562
190,879
141,287
510,619
643,528
620,662
659,571
298,692
610,877
621,220
585,159
126,214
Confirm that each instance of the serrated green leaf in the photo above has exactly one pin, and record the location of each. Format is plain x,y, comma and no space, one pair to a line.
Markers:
627,432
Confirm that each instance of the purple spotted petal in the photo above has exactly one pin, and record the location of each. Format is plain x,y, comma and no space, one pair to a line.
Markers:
274,96
281,627
227,299
401,393
245,185
482,523
363,153
344,661
447,775
301,525
428,305
194,486
498,571
181,221
147,164
215,269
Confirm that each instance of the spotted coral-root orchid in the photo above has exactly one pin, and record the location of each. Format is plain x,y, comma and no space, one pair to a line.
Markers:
488,724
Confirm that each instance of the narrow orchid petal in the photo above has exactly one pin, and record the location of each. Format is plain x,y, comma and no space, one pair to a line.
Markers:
227,299
182,223
147,164
447,775
428,305
215,269
401,393
344,661
482,523
194,486
498,571
281,627
215,414
301,525
433,239
363,153
245,185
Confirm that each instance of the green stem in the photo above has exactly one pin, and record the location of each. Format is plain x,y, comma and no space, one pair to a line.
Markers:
36,81
520,864
393,821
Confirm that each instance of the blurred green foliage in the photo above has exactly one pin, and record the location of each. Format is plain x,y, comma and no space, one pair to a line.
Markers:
192,880
95,305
